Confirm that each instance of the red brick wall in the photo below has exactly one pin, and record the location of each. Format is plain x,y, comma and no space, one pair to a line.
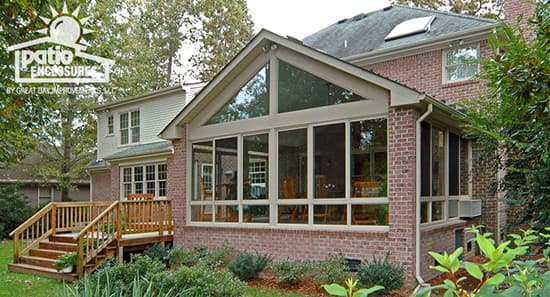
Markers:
424,72
115,182
101,186
309,244
516,8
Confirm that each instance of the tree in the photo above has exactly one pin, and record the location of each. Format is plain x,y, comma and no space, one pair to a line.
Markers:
221,28
484,8
514,117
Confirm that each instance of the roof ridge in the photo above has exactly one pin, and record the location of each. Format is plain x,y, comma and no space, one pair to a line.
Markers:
465,16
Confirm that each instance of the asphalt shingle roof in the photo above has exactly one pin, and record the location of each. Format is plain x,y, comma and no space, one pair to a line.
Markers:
142,149
366,32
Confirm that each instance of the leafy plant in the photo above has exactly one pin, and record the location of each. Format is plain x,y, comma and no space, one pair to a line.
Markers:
381,272
158,252
247,266
292,272
65,260
15,209
333,269
337,290
203,281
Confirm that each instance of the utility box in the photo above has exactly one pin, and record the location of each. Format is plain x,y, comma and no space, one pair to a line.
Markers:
469,208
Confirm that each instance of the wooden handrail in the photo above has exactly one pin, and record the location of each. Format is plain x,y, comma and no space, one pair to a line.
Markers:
33,219
96,220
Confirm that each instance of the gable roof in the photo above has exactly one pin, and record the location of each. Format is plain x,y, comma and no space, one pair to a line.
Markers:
264,41
366,32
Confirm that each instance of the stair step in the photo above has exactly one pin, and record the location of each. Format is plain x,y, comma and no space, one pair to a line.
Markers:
60,238
45,253
59,246
41,271
38,261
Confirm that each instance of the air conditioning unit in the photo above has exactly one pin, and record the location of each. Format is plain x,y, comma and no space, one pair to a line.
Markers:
469,208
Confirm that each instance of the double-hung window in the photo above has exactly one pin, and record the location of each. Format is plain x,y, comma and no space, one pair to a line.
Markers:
110,125
129,127
460,64
444,173
150,178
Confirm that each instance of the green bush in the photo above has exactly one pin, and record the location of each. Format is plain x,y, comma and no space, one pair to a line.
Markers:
158,252
218,257
247,266
333,269
203,281
292,273
15,210
381,272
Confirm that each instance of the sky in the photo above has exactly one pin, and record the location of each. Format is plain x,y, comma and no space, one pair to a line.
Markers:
300,18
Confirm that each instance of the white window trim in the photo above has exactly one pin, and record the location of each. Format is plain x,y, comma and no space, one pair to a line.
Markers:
144,179
129,127
446,197
273,202
444,78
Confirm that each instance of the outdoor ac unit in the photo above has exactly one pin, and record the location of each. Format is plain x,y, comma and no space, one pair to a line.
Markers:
469,208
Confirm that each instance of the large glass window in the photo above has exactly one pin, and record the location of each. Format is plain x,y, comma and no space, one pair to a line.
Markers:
461,64
444,171
129,127
330,161
226,169
251,101
144,179
302,90
256,160
293,164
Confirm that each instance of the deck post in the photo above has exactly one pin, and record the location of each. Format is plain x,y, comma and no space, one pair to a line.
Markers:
120,249
54,218
161,218
16,247
79,258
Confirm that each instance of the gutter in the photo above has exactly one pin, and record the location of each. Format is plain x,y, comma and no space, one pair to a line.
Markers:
419,279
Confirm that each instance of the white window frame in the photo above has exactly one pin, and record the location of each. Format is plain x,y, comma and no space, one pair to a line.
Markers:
445,198
110,125
39,195
129,127
144,180
444,65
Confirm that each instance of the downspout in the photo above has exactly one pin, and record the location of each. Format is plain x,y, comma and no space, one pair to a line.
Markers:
419,279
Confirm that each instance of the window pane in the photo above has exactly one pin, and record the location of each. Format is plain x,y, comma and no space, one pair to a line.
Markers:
138,187
127,189
162,188
370,214
424,212
462,63
201,213
256,213
151,187
124,136
464,174
467,55
255,183
110,124
227,213
425,161
138,174
202,157
127,175
301,90
250,102
162,171
438,161
330,214
453,208
124,121
454,163
369,153
293,214
437,210
226,169
330,161
150,172
293,164
135,134
135,118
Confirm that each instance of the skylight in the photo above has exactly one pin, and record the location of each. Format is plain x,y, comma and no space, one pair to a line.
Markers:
409,27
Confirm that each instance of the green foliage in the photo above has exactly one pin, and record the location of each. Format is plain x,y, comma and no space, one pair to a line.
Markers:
218,257
337,290
381,272
333,269
158,252
484,8
292,273
66,260
247,266
14,208
203,281
503,268
514,117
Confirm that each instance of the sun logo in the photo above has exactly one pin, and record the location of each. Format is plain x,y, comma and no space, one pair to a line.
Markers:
66,28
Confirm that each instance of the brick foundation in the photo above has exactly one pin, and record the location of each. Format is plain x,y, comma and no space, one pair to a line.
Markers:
101,186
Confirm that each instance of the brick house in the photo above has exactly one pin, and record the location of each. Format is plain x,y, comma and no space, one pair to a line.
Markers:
346,142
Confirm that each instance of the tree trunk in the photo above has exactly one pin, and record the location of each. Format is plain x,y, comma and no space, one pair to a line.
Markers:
66,136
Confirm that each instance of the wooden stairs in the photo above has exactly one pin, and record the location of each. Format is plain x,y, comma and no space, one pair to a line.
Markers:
94,231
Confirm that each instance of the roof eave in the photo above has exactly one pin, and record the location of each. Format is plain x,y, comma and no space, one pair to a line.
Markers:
141,97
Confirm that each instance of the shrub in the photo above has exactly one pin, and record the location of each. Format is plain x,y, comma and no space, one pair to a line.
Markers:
331,270
218,257
247,266
381,272
292,272
158,252
187,257
15,210
202,281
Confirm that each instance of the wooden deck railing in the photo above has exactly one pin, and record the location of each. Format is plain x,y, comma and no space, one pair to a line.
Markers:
98,224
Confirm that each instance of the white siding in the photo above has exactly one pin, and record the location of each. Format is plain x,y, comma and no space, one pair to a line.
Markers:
155,114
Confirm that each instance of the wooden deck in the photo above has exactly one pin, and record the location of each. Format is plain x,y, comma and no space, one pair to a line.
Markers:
94,231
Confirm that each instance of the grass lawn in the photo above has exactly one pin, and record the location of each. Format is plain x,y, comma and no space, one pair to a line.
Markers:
25,285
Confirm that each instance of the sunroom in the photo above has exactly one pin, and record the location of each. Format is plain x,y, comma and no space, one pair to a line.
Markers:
286,136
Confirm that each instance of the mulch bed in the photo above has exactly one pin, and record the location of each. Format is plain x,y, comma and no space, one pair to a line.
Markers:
309,287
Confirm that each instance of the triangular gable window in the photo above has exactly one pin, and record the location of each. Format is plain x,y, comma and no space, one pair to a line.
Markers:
251,101
302,90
